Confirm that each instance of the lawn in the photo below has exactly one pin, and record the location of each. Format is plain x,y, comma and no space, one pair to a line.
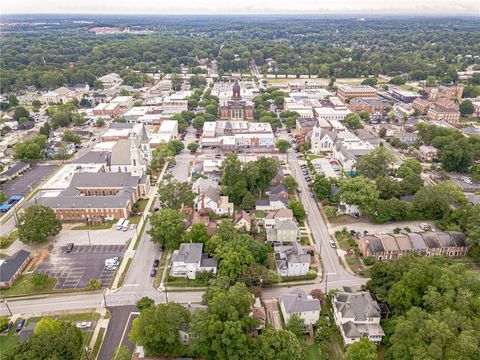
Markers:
87,316
134,219
6,241
23,286
140,205
259,214
312,352
8,341
107,225
98,343
124,274
271,262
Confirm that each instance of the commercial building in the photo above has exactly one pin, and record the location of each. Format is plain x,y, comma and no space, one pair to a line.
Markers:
345,92
12,268
329,113
236,108
403,95
107,109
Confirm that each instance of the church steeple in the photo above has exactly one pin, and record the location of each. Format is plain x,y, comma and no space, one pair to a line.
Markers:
236,91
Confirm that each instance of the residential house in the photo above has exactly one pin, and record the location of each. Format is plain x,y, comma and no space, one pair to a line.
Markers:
190,259
110,80
291,260
357,315
12,268
274,202
427,153
243,221
300,304
284,231
279,215
211,200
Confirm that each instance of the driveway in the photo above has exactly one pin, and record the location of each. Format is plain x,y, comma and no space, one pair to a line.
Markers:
381,228
118,332
110,236
74,270
273,313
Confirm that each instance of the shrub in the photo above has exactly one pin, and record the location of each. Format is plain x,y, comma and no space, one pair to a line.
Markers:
94,284
39,278
368,260
397,230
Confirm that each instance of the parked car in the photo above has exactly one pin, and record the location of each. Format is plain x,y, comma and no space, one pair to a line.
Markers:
84,325
69,247
20,325
132,226
153,273
353,232
332,243
156,262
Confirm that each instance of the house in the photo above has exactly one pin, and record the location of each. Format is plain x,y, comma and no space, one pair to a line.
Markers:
291,260
201,185
243,221
301,304
211,200
12,268
193,217
274,202
110,80
258,312
190,259
348,209
280,190
427,153
357,315
283,231
279,215
26,125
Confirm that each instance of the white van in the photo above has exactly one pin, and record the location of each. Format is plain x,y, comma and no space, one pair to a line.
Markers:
125,225
120,223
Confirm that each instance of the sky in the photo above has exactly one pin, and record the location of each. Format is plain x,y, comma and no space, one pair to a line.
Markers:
420,7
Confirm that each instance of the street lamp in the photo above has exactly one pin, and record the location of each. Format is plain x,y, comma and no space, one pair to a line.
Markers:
89,241
8,307
105,299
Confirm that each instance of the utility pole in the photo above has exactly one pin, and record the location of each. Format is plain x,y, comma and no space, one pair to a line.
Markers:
105,299
89,241
166,293
8,307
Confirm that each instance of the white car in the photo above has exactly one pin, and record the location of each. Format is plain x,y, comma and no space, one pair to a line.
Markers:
132,226
84,325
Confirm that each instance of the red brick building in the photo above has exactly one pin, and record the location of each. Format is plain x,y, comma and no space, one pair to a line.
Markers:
236,108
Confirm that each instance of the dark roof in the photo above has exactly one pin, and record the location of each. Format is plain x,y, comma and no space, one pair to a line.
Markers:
10,266
374,244
94,157
19,166
116,125
458,238
28,124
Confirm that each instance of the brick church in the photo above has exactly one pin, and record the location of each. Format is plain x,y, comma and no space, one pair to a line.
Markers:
236,108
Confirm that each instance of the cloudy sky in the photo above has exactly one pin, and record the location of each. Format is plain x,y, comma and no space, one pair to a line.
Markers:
241,6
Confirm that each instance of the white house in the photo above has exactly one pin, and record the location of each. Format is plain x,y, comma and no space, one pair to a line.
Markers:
213,201
285,231
280,215
291,260
357,315
274,202
110,80
301,304
190,259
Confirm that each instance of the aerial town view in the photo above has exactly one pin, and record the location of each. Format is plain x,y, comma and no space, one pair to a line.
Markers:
254,180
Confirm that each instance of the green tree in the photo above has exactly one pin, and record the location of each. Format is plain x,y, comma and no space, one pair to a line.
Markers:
197,233
352,121
69,136
160,155
177,145
38,278
120,120
167,228
322,187
156,329
290,182
144,303
376,163
248,201
61,119
3,197
387,187
37,223
100,122
233,181
359,191
408,167
234,258
411,184
362,350
45,129
27,150
373,80
174,194
434,201
177,82
197,81
466,107
279,345
296,325
94,284
56,340
283,145
298,210
20,113
193,147
12,100
457,156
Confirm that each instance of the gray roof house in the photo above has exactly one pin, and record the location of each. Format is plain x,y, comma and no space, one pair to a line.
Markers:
12,267
283,231
301,304
292,260
357,315
190,259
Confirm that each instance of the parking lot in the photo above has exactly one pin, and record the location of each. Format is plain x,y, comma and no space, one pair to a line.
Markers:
27,181
94,237
74,270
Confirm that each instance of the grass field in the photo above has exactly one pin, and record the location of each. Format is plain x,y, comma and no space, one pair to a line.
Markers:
8,341
107,225
6,241
24,286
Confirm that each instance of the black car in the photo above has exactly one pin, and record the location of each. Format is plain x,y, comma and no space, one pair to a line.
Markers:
6,329
353,232
153,273
155,263
20,325
69,248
